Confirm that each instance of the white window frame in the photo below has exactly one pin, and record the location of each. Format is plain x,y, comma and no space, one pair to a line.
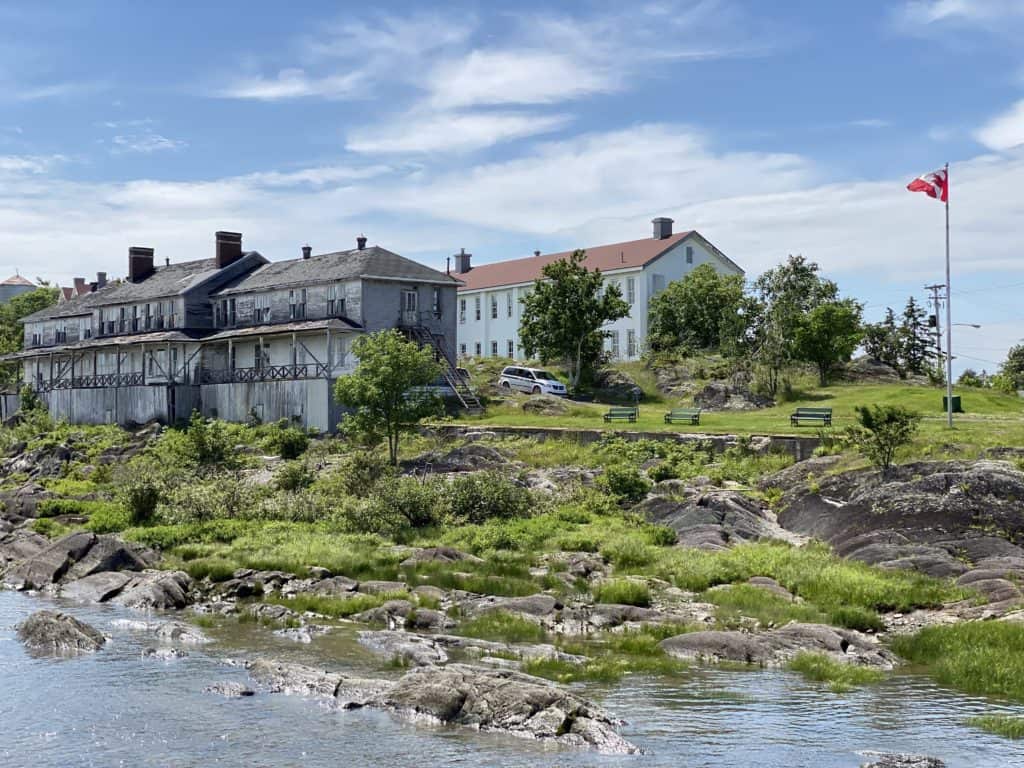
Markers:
462,311
631,291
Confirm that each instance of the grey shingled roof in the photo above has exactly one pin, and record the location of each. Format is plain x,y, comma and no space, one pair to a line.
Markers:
166,281
373,261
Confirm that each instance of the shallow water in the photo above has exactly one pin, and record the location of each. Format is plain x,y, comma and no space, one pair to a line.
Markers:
115,708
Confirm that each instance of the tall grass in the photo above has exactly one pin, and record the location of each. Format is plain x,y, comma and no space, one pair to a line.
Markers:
746,600
335,607
840,677
985,658
1009,726
624,592
501,626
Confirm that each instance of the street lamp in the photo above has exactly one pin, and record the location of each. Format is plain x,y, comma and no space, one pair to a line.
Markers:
968,325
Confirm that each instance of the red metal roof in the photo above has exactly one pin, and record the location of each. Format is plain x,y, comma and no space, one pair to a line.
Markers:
635,253
17,280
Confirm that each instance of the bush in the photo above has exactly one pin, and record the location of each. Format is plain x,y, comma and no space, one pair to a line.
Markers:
287,441
627,483
883,430
481,496
223,497
208,442
47,526
293,476
140,496
111,518
360,471
624,592
58,507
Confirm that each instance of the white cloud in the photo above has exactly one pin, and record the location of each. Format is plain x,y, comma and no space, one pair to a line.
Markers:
871,122
1004,131
450,131
144,143
925,12
516,77
12,165
292,84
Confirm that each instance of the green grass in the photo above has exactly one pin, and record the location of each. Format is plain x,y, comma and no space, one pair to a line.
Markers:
812,572
624,592
983,658
840,677
1008,726
746,600
504,627
992,418
335,607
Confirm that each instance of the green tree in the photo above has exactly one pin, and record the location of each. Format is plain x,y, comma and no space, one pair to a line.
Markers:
786,293
883,430
828,334
971,378
12,331
564,313
693,312
1013,368
916,342
384,390
882,341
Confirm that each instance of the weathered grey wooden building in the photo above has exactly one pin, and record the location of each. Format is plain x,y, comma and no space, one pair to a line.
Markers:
231,336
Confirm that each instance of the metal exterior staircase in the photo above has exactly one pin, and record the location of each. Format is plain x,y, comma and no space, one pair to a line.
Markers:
467,398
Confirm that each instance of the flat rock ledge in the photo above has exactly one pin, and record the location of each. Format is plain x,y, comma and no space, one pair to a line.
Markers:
51,633
779,646
499,701
895,760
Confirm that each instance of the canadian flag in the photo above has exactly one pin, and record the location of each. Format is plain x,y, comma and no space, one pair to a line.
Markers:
934,184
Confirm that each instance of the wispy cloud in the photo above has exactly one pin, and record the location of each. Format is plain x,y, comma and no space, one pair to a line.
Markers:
44,91
292,84
926,12
12,165
144,143
871,122
451,131
1004,131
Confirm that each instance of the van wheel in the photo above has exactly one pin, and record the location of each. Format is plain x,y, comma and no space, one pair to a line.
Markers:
536,390
506,386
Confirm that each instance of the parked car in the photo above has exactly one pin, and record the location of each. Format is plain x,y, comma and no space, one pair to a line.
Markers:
533,380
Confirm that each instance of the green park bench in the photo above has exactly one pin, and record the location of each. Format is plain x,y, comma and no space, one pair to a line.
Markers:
622,413
688,415
822,415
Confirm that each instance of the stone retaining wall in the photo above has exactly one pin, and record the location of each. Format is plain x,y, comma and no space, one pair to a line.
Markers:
798,447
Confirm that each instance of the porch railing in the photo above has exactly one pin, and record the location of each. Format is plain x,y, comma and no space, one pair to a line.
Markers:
93,382
263,373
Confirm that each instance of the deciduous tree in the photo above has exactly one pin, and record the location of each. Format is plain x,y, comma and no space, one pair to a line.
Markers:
384,392
695,312
828,334
564,313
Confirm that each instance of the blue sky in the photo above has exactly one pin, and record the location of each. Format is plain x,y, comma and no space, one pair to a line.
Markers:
773,128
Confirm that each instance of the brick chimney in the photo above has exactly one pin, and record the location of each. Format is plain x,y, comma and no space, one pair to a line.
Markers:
80,287
462,265
361,242
307,251
101,280
229,248
662,228
140,263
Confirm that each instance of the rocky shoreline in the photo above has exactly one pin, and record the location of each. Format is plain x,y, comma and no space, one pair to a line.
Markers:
949,520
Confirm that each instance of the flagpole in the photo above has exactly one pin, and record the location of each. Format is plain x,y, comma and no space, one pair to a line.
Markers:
949,320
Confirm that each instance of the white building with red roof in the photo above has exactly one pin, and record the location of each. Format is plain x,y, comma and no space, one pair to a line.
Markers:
490,306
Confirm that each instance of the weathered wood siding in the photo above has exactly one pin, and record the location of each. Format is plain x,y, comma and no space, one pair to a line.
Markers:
308,401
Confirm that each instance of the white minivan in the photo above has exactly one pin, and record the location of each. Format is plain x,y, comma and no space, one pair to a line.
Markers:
533,380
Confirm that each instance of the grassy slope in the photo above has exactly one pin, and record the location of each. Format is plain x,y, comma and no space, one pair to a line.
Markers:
991,418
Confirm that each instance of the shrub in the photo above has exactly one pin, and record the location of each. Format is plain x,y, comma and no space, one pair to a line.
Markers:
293,476
883,430
627,483
47,526
628,552
623,591
360,471
287,441
480,496
208,441
58,507
110,518
223,497
140,496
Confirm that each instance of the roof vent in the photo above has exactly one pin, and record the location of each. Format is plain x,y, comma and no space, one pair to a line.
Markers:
462,265
229,248
361,242
662,228
307,251
140,263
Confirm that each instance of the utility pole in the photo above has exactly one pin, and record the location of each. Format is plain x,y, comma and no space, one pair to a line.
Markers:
935,301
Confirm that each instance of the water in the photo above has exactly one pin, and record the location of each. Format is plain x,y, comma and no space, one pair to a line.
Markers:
115,708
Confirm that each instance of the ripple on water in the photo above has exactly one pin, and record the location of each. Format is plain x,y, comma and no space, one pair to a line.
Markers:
115,707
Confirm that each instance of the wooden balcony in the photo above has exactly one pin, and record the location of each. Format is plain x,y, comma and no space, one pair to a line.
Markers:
263,373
